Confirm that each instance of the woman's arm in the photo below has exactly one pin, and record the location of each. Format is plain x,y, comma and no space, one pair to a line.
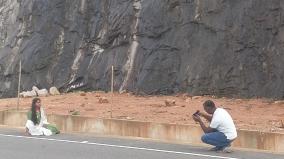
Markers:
43,119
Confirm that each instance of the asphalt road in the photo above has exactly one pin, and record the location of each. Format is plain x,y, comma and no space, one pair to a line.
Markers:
15,145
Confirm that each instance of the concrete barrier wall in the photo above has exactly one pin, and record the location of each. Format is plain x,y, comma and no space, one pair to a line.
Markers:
13,118
167,132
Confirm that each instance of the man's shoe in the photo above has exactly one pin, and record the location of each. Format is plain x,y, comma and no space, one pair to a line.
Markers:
225,150
215,149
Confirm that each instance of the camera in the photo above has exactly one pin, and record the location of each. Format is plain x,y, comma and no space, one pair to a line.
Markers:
196,113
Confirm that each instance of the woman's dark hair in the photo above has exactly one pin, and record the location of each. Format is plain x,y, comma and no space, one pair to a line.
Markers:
209,104
33,109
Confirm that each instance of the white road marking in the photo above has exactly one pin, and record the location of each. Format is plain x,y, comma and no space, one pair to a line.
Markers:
117,146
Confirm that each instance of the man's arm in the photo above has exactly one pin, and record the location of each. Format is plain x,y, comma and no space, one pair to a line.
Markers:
206,116
201,123
205,128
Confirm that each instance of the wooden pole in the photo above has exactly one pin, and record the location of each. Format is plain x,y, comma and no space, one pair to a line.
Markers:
19,84
112,69
111,91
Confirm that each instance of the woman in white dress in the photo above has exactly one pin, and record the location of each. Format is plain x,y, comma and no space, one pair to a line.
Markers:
37,123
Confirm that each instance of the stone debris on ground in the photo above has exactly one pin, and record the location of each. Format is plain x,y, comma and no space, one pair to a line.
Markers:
188,100
83,94
169,102
74,112
186,96
160,111
103,100
90,109
122,92
279,102
129,118
196,97
124,117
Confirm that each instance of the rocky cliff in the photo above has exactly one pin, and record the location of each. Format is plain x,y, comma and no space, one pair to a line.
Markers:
216,47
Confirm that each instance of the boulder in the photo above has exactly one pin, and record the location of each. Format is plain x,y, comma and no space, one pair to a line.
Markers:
26,94
42,92
53,91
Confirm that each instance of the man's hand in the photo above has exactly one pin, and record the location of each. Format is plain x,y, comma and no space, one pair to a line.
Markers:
205,129
196,118
208,117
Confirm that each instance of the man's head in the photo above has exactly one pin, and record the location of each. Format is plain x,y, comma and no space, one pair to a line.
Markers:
209,106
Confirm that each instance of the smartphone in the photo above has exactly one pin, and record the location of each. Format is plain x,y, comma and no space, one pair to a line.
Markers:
196,113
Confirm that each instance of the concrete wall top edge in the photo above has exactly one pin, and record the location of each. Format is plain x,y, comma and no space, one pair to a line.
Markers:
148,122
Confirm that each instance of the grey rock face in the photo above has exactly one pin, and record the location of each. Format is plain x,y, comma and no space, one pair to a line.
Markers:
220,47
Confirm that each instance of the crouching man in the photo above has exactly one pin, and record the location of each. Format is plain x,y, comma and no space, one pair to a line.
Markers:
221,131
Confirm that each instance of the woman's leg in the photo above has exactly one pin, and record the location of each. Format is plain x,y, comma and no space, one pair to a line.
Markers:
52,128
27,132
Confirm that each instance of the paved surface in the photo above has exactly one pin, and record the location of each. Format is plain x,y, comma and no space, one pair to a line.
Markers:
15,145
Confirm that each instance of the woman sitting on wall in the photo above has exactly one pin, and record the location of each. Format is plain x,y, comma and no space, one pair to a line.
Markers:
37,123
